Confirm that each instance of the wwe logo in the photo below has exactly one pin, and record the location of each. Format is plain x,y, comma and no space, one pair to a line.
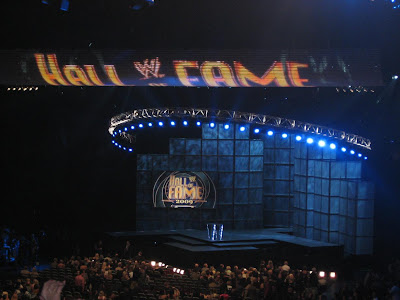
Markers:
149,69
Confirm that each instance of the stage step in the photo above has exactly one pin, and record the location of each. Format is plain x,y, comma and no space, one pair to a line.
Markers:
252,243
186,240
208,248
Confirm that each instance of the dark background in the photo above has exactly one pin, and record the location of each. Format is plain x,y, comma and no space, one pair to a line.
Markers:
60,168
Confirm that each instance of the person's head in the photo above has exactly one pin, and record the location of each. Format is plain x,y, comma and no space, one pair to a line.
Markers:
285,263
128,243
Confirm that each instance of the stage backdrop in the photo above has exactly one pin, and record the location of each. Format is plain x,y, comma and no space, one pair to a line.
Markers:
232,68
260,183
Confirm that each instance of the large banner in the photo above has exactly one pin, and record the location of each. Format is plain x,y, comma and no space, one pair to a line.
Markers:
191,68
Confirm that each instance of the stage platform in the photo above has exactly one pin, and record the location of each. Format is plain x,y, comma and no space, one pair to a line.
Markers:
273,242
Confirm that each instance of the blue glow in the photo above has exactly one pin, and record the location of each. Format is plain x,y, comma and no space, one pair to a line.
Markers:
198,123
310,141
126,129
226,126
185,123
119,131
161,124
344,149
119,146
173,123
332,146
298,138
352,152
113,142
212,124
365,157
359,155
124,148
130,150
256,130
270,133
132,127
242,128
322,143
64,5
284,135
150,124
140,125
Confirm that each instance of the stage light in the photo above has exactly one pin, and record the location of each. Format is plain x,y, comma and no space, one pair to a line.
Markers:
322,274
322,143
125,129
119,131
64,5
173,123
161,124
226,126
124,148
160,264
352,152
256,130
113,142
178,270
153,263
298,138
130,150
365,157
270,133
182,272
212,124
36,88
174,269
141,4
395,77
332,275
185,123
242,128
132,127
198,123
120,146
332,146
284,135
140,125
150,124
344,149
359,155
310,141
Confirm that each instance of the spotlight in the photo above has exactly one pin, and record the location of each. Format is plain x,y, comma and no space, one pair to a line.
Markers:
365,157
344,149
36,88
174,269
270,133
140,125
198,123
212,124
322,143
113,141
132,127
226,126
153,263
178,270
395,77
242,128
256,130
124,148
161,124
332,275
284,135
182,272
322,274
310,141
150,124
298,138
125,129
130,150
121,131
352,152
160,264
8,89
185,123
332,146
173,123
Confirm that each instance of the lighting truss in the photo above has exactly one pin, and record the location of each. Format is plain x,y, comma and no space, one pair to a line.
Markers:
238,117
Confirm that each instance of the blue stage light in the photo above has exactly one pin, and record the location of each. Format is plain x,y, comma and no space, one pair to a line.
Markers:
119,146
226,126
310,141
242,128
64,5
161,124
298,138
113,142
126,129
212,124
352,152
119,131
344,149
140,125
173,123
270,133
198,123
130,150
256,130
284,135
124,148
150,124
359,155
185,123
132,127
321,143
365,157
332,146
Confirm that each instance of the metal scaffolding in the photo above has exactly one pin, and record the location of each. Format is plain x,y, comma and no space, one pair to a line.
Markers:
238,117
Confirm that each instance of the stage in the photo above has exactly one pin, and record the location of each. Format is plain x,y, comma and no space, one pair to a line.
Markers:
250,245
